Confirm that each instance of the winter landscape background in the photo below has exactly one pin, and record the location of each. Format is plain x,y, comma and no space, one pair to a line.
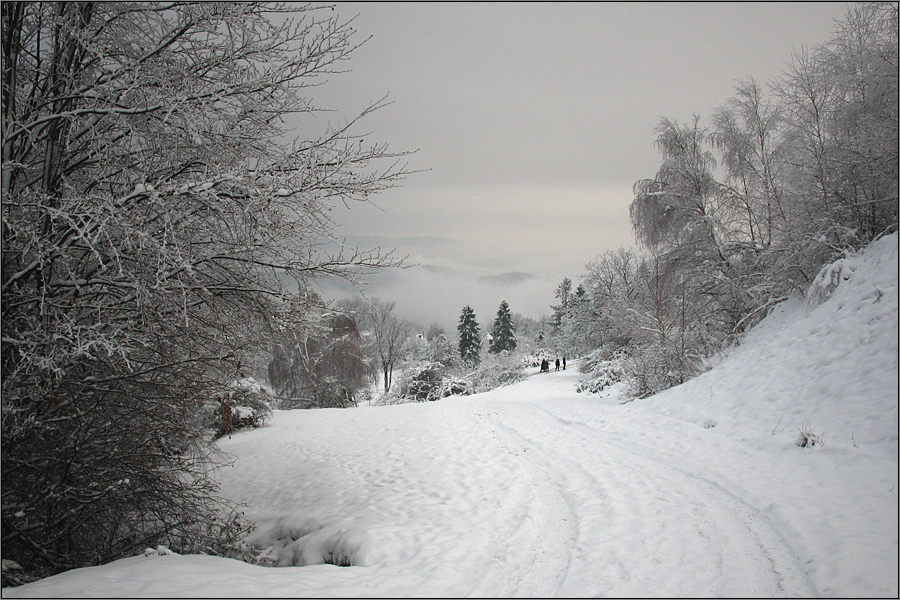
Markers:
602,303
536,490
531,127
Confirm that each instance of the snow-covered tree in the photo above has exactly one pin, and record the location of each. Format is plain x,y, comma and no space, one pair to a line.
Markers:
531,333
563,292
840,101
438,347
155,232
321,365
810,171
578,332
746,132
389,335
679,207
469,344
503,331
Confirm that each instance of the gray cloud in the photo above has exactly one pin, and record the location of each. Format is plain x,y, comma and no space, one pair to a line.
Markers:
506,279
531,123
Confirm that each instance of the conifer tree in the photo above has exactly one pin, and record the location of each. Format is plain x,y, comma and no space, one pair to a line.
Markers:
469,337
564,293
503,331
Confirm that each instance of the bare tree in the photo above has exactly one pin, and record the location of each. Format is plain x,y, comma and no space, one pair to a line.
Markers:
320,365
389,335
746,130
152,229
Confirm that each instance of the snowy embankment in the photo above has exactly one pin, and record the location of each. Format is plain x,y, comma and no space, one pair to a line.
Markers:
535,490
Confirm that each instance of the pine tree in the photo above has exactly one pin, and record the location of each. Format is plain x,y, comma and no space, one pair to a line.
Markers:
503,331
564,293
469,337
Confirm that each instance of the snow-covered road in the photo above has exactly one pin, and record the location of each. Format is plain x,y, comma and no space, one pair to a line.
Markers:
528,490
638,519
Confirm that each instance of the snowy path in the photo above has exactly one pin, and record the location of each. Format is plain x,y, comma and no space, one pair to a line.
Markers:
639,522
528,501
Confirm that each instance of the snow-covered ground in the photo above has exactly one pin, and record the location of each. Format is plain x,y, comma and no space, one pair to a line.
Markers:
536,490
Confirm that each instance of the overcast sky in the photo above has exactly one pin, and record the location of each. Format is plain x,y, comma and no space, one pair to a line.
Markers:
531,123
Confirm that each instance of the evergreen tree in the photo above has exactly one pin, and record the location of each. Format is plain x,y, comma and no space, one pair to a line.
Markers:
503,332
469,337
563,292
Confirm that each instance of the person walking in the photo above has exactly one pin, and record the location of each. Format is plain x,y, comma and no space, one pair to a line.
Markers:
564,363
557,364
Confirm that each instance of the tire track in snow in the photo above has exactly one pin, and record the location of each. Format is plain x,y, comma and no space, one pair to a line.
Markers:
529,502
791,577
538,553
692,536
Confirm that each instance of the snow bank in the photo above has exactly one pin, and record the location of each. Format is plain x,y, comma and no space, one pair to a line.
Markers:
828,368
828,365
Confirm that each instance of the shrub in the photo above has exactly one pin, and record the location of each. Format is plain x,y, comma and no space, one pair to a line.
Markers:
429,381
808,438
496,372
455,386
534,359
601,369
247,405
425,382
829,278
421,382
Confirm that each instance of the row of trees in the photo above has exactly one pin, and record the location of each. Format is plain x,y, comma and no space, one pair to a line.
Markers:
502,337
334,358
154,234
747,206
338,355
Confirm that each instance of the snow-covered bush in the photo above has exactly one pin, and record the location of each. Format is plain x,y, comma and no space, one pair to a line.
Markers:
452,385
496,371
426,382
659,366
645,369
534,359
829,278
601,369
13,575
421,382
247,405
382,398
